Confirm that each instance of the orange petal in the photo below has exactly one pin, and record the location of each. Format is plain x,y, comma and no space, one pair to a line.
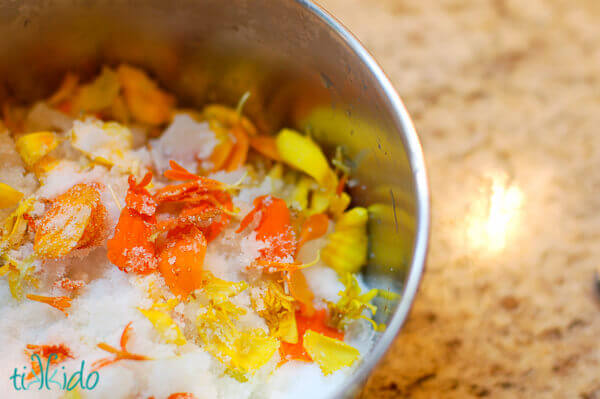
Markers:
240,149
178,172
68,284
98,364
120,354
96,230
300,290
249,218
180,261
220,154
138,198
125,335
314,227
66,89
274,228
130,249
179,192
147,103
275,217
266,146
76,219
59,302
181,395
61,350
59,353
218,219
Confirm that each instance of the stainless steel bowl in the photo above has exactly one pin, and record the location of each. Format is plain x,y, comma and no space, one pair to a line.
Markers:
302,68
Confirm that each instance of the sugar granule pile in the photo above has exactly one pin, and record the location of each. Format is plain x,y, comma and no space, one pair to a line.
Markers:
155,252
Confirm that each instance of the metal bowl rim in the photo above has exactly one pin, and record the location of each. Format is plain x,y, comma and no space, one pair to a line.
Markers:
417,164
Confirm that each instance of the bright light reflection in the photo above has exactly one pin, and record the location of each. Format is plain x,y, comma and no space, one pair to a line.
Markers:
495,214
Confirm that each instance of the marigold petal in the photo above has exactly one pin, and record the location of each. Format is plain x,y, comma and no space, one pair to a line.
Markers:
34,146
181,259
9,197
329,353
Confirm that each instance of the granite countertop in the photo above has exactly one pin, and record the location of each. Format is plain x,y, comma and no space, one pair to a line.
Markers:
505,95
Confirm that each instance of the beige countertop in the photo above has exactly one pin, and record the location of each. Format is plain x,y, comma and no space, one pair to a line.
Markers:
505,95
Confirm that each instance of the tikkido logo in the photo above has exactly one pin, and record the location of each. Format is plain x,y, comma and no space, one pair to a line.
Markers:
48,378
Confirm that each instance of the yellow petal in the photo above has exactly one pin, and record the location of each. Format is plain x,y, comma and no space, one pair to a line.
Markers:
303,154
15,284
276,172
165,326
300,195
15,226
228,117
253,350
119,111
241,351
45,166
319,202
219,290
355,218
18,273
74,394
329,353
288,328
9,197
338,204
34,146
166,306
346,249
56,242
99,94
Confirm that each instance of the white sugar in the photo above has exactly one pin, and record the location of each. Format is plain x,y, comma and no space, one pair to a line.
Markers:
110,298
185,141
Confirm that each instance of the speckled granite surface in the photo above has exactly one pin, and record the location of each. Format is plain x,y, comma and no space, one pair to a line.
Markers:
505,95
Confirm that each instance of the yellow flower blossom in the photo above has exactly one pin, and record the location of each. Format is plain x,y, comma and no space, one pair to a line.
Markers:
352,305
279,312
242,351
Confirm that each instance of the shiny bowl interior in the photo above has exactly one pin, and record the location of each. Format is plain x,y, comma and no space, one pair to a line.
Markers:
303,69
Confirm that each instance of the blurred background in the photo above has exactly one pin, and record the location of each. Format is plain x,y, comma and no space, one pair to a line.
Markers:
505,96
